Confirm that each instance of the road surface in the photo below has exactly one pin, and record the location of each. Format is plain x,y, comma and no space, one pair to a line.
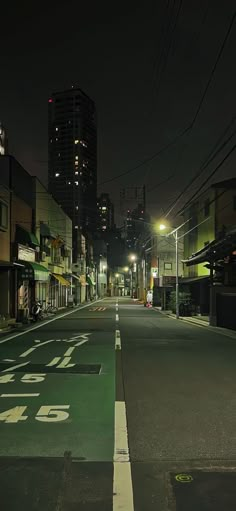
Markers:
113,406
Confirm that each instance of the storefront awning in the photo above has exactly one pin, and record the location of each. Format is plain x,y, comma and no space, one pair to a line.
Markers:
34,271
90,280
25,237
61,279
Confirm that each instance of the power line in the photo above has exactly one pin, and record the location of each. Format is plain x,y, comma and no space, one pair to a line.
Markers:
169,47
210,176
214,67
211,156
192,123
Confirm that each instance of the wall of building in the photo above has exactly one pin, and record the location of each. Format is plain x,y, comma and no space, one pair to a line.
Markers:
5,256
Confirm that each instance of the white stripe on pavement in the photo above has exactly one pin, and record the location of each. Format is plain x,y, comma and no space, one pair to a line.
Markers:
117,340
47,322
117,317
122,479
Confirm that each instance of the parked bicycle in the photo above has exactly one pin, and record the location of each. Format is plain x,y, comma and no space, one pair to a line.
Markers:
50,308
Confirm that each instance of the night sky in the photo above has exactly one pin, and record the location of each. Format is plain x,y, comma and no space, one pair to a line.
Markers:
117,53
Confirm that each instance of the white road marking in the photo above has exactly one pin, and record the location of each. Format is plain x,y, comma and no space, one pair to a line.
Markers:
15,367
122,479
117,308
45,323
69,351
54,362
35,348
117,340
117,317
8,360
65,363
37,340
20,395
81,342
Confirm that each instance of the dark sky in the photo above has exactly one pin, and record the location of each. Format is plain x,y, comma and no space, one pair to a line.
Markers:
112,51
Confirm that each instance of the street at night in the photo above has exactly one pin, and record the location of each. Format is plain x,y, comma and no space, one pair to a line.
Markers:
118,256
109,387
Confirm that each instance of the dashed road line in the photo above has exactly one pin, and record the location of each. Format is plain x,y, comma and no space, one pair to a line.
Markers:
69,351
117,340
117,317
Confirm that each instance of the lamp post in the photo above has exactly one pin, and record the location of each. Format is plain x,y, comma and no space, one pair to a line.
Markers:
162,227
132,258
175,234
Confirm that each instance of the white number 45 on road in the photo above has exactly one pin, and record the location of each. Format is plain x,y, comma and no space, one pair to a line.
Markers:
49,413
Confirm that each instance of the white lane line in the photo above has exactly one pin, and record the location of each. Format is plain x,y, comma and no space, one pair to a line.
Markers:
14,367
65,363
69,351
122,478
20,395
35,348
46,323
54,362
117,340
81,342
117,308
117,317
8,360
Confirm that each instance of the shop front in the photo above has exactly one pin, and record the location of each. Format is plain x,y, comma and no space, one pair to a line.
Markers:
33,284
59,290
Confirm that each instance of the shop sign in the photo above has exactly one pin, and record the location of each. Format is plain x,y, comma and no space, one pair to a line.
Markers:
26,253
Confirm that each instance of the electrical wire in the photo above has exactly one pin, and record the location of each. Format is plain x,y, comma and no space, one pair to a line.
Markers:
194,119
211,156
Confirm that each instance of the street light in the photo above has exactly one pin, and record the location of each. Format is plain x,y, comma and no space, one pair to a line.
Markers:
133,257
162,227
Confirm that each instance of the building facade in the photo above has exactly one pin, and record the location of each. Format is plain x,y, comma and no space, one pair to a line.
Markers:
72,150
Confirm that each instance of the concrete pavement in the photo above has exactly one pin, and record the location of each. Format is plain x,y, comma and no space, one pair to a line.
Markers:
115,406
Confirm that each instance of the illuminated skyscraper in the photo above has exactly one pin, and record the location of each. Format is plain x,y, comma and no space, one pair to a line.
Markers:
72,150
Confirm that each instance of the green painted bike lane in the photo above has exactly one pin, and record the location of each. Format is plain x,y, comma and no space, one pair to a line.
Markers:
59,409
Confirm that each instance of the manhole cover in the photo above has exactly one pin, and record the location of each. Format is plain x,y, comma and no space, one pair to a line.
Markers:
204,491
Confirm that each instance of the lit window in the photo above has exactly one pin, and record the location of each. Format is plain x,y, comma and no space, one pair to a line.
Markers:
57,174
50,100
76,172
59,154
76,141
104,208
56,129
77,183
76,157
56,139
104,227
76,207
76,227
69,183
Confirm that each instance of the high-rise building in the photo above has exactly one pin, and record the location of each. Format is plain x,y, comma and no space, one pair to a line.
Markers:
105,213
72,149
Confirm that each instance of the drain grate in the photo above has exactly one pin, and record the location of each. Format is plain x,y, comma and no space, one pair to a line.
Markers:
41,368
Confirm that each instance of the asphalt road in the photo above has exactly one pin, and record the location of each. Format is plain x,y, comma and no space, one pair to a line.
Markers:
117,407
